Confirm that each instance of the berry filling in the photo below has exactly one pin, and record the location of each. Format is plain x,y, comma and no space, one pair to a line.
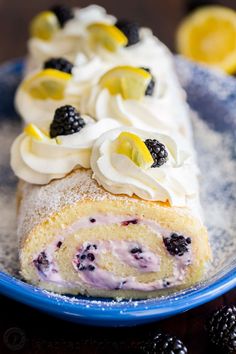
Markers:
59,243
176,244
90,257
136,250
42,263
92,220
85,257
127,222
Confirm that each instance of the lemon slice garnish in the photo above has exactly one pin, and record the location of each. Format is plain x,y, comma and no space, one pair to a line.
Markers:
132,146
34,132
108,36
48,83
209,36
44,25
129,81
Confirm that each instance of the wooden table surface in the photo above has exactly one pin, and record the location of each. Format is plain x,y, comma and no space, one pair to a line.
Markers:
25,330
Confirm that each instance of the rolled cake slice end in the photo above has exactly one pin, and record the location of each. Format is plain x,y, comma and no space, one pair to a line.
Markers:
76,238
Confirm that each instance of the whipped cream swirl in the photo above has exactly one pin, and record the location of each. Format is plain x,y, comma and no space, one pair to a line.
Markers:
175,181
68,42
39,162
147,114
85,73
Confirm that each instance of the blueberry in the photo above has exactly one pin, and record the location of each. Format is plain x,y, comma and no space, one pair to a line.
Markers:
59,244
91,267
136,250
81,267
42,262
91,257
92,220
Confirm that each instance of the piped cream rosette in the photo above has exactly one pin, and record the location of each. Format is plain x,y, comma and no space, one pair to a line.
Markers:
42,92
120,94
38,159
66,41
121,164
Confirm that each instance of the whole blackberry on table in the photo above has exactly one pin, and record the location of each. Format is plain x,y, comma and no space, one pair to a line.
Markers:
130,30
64,13
164,344
221,328
151,85
176,244
158,152
66,121
60,64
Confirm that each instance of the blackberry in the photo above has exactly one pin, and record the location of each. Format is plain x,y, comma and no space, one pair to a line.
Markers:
66,121
158,152
60,64
64,13
176,244
165,344
221,328
136,250
130,30
150,89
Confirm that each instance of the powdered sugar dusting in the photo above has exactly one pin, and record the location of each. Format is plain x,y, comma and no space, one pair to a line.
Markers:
218,189
8,245
39,202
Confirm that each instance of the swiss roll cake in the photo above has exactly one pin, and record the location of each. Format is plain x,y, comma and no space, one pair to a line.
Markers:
100,244
108,197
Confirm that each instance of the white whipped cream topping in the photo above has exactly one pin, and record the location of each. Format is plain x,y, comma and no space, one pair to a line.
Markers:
39,162
85,73
41,112
165,111
68,42
175,181
147,114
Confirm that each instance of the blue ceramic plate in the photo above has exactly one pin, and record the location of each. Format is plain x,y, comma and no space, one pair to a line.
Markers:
214,97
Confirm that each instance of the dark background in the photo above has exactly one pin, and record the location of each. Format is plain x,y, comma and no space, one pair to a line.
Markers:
25,330
162,16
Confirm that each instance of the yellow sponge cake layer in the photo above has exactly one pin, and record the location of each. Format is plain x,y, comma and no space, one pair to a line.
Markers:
78,238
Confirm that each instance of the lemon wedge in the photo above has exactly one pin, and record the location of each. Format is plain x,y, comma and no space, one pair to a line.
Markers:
208,36
129,81
44,25
132,146
34,132
48,83
108,36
